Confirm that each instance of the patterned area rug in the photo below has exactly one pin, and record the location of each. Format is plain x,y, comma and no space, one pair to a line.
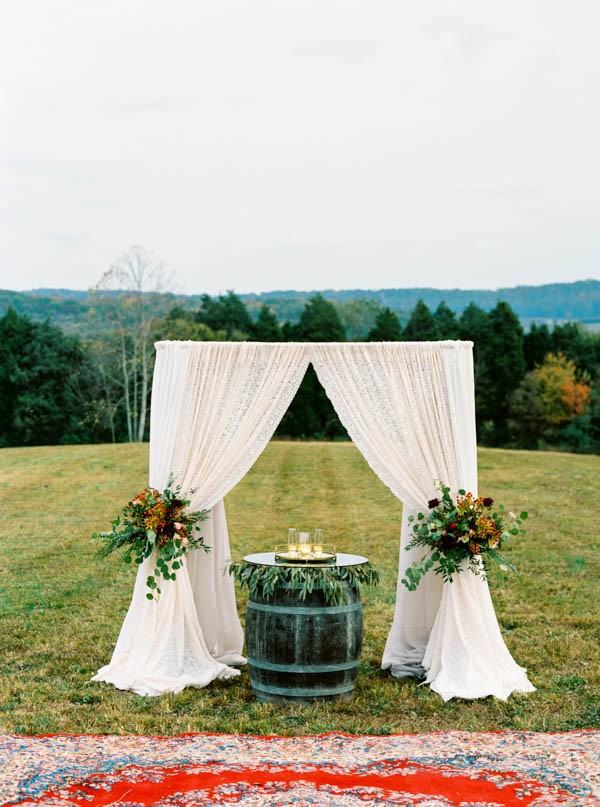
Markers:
445,769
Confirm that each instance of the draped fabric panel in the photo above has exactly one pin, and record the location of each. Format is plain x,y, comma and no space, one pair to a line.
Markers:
392,399
466,656
214,595
236,394
215,406
161,646
409,408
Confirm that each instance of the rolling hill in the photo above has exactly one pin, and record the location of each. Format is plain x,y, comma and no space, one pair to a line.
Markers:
552,303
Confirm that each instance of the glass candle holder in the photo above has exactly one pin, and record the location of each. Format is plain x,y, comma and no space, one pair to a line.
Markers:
304,544
292,543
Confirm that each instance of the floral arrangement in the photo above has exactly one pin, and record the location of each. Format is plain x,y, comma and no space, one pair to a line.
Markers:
461,533
155,521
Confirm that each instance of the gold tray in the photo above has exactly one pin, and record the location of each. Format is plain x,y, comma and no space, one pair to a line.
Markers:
283,554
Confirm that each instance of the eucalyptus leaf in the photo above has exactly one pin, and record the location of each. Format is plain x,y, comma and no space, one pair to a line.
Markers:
264,580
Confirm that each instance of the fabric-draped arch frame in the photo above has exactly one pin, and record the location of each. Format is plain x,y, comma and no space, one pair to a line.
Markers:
409,408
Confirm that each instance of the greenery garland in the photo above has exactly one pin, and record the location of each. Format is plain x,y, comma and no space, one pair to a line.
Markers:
265,580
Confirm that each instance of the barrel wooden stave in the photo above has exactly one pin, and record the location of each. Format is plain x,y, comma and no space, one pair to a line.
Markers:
303,650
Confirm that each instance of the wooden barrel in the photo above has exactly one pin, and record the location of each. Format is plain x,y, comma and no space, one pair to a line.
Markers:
303,650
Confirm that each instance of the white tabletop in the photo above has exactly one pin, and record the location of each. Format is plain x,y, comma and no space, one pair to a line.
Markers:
341,559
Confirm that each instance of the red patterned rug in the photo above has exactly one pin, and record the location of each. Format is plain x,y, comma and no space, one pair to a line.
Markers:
442,769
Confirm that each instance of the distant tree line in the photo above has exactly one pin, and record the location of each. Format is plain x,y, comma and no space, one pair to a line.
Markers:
578,301
533,390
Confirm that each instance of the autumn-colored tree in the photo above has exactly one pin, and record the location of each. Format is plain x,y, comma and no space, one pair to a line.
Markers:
576,396
548,397
563,396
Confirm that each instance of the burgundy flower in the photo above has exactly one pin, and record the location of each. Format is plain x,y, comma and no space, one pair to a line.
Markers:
487,502
433,503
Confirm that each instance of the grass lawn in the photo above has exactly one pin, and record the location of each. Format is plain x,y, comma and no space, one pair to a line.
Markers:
61,608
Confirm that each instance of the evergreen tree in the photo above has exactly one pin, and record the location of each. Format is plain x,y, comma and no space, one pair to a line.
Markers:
226,313
266,328
578,345
320,322
15,332
537,343
45,377
446,324
474,326
311,414
421,326
289,332
387,327
505,367
526,421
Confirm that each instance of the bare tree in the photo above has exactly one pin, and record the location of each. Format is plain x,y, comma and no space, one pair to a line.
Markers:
131,294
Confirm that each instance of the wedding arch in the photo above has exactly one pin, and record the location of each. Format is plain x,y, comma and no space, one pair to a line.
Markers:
407,406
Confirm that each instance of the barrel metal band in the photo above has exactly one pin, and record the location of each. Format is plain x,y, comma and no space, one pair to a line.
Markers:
301,609
302,692
302,668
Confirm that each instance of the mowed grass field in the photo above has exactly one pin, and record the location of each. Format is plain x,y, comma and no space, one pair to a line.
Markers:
61,607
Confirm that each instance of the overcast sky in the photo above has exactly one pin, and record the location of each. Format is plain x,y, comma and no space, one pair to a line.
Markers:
303,144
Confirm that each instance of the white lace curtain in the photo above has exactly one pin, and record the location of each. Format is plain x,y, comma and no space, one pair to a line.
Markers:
215,406
409,407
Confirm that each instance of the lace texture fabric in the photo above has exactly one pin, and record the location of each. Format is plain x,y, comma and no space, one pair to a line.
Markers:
409,408
392,397
161,646
466,656
235,396
215,406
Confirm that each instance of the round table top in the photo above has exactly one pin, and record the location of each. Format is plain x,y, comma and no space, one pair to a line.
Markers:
341,559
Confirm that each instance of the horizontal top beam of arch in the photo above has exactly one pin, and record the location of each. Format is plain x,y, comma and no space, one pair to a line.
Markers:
447,343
